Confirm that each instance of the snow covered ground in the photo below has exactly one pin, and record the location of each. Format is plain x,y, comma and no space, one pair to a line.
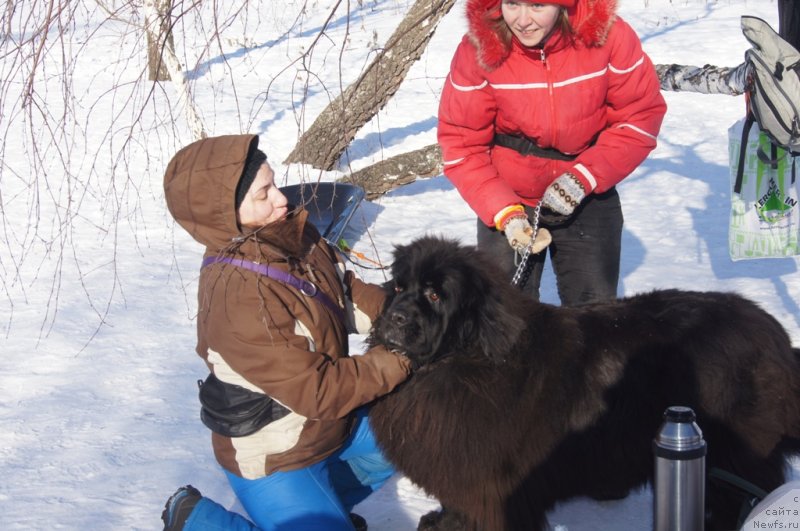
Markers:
98,411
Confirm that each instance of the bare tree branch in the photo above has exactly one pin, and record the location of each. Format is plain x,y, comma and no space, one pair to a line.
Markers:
79,140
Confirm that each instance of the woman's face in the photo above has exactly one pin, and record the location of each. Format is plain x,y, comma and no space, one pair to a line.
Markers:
530,22
264,202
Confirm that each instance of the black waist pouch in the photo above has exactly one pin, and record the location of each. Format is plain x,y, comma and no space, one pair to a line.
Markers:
234,411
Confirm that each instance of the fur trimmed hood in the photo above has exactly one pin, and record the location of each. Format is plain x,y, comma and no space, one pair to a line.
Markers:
591,20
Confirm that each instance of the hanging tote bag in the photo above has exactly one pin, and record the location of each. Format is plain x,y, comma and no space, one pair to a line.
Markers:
765,207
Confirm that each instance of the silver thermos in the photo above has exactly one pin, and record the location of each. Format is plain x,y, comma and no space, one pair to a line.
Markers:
679,487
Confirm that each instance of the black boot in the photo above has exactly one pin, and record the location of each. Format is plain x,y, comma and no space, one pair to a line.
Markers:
179,506
358,522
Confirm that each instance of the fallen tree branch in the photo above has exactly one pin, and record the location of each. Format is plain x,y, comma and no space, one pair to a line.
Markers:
397,171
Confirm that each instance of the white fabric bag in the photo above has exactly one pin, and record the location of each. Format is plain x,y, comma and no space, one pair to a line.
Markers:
765,213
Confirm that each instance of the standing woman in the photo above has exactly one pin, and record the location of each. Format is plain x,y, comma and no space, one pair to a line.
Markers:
548,106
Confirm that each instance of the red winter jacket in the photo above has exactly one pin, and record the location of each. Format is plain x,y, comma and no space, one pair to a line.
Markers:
595,95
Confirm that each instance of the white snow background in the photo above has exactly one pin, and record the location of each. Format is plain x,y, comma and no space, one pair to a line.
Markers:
98,409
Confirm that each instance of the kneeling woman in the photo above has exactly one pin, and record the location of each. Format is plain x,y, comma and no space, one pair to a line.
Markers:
286,403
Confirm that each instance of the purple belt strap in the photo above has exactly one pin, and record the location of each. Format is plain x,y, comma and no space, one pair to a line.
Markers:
309,289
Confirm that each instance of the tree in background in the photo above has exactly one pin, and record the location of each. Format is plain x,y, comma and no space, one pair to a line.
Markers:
54,180
57,182
159,38
333,130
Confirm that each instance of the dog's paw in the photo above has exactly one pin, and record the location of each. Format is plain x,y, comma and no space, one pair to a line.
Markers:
429,521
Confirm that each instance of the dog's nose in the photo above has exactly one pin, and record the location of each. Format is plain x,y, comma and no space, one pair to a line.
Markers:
398,318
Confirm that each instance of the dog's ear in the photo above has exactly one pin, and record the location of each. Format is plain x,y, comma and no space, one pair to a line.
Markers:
499,326
496,311
389,287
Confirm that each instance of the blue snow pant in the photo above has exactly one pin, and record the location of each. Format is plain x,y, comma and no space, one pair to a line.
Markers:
316,498
585,251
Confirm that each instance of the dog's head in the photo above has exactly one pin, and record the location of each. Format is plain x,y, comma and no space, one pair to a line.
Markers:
446,298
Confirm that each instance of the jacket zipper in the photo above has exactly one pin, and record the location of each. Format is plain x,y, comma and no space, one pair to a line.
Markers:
551,98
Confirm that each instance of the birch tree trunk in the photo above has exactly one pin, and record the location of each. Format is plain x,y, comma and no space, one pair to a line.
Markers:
158,31
333,130
156,15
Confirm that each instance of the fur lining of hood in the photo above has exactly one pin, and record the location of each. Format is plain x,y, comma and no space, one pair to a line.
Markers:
591,20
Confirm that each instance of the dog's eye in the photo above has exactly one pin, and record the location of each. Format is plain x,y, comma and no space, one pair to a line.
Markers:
397,289
432,295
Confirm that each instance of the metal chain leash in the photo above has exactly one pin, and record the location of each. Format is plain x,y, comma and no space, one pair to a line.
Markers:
523,272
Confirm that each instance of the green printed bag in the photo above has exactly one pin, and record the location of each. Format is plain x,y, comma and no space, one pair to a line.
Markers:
765,212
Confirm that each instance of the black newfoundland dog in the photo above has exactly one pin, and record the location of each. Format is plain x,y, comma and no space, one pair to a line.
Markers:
516,405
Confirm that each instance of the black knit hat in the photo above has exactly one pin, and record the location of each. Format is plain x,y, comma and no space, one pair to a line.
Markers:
255,159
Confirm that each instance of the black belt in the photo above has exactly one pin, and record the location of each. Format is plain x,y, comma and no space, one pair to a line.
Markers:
527,147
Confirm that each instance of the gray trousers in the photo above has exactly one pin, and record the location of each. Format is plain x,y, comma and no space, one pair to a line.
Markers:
585,252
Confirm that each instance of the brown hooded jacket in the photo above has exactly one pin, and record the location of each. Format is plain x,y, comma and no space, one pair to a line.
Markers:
265,335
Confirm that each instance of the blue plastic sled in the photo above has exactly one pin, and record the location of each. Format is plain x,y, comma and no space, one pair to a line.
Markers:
330,205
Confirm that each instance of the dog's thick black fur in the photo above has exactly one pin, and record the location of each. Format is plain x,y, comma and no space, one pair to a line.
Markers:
516,405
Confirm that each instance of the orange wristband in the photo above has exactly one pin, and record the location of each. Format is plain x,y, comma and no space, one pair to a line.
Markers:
511,211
